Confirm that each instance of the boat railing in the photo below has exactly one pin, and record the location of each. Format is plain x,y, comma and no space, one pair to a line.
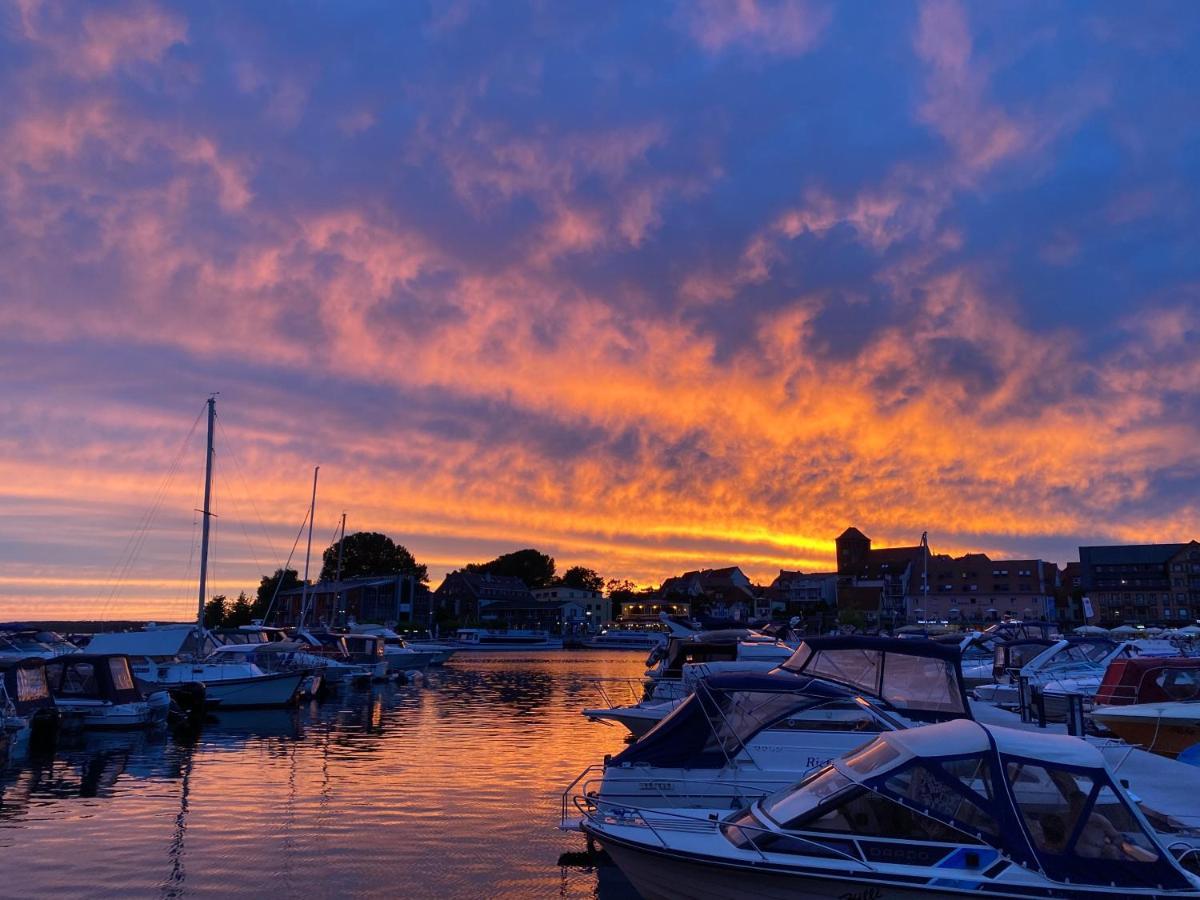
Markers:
607,698
668,820
586,789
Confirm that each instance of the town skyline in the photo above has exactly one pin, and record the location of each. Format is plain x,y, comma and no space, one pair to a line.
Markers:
646,292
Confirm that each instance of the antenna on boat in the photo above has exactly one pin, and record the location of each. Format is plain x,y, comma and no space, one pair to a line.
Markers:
208,463
312,509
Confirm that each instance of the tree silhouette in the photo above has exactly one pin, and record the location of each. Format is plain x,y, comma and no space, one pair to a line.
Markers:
370,553
581,578
534,568
214,612
290,578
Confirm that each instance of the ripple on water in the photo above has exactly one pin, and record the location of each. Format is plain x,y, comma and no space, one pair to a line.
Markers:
445,790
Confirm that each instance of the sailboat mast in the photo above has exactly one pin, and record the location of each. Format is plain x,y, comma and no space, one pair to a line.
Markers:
339,613
206,512
312,510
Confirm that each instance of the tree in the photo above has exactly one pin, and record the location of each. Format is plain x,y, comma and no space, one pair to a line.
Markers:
370,553
282,580
581,578
534,568
214,612
620,591
240,613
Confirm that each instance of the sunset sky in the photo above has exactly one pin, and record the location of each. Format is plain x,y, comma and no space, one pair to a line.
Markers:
647,286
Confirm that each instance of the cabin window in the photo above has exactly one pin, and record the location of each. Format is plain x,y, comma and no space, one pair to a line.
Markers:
31,685
875,755
855,667
863,813
1056,806
79,679
921,682
121,676
794,805
1179,684
838,716
923,788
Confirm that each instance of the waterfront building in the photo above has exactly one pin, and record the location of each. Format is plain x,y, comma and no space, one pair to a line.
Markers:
725,592
800,594
463,595
381,599
895,572
976,589
580,607
1142,583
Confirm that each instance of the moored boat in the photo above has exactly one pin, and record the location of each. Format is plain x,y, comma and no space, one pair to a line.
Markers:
625,639
98,690
952,809
480,639
1153,702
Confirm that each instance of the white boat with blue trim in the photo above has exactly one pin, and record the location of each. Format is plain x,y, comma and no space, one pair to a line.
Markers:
945,810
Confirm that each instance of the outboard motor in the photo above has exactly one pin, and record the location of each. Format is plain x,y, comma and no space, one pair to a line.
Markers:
188,700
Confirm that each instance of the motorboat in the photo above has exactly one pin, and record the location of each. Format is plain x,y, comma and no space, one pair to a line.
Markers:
746,734
363,651
248,634
638,718
949,809
26,705
98,690
1152,702
676,666
479,639
168,657
625,639
274,657
724,650
403,656
18,641
1071,666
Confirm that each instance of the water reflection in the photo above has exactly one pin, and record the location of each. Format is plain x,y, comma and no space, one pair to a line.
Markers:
446,789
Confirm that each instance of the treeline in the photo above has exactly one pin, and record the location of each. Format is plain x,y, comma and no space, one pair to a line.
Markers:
368,553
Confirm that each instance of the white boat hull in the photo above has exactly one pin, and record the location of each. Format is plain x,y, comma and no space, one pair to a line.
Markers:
268,690
101,714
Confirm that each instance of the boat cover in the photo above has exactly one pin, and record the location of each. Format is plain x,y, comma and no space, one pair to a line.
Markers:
711,726
920,678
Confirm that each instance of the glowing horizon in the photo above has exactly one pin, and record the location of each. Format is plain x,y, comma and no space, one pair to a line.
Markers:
512,281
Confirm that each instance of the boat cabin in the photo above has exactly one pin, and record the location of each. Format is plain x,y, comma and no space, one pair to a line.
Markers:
967,796
1012,656
848,685
365,649
483,637
23,686
85,676
1150,680
248,634
722,645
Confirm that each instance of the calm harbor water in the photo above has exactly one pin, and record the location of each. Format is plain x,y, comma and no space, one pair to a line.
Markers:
448,789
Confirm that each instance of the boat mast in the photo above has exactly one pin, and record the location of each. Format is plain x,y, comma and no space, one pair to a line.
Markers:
312,509
339,612
208,463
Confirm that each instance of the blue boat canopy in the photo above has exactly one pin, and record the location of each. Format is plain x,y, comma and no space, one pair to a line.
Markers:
1046,801
712,725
